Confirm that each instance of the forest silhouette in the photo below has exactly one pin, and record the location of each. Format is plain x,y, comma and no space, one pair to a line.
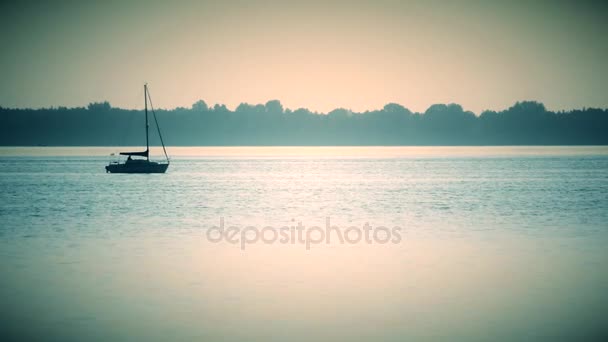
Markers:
100,124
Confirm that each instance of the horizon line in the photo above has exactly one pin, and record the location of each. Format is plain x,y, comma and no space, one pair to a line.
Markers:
211,107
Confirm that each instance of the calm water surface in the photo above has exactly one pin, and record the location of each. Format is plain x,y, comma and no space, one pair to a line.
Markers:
498,243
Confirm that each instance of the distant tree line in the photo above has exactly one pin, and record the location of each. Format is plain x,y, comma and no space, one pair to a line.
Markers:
100,124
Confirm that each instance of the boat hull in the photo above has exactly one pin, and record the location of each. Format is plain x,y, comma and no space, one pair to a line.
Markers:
140,167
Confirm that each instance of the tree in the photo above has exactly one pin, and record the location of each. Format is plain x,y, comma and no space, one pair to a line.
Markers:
396,108
340,113
274,107
220,108
200,106
99,106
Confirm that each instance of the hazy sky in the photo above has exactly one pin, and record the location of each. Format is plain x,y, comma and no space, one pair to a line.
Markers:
315,54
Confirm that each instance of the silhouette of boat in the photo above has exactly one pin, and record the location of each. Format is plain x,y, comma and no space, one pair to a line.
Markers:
136,165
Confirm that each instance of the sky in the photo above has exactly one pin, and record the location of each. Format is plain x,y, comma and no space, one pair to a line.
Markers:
319,55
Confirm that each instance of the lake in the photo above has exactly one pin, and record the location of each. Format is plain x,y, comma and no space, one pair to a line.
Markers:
306,243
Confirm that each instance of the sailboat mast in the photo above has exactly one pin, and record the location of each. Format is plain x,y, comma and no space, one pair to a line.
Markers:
147,125
158,128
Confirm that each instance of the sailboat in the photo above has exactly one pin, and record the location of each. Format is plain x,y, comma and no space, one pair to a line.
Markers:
141,165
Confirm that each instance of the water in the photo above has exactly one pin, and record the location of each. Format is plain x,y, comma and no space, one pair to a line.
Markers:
495,243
